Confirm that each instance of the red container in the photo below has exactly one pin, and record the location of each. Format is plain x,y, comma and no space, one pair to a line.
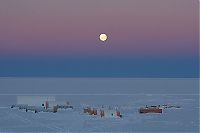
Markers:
150,110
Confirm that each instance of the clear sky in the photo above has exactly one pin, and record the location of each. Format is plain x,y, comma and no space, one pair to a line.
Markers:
147,38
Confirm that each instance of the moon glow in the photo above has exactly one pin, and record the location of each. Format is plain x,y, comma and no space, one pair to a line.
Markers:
103,37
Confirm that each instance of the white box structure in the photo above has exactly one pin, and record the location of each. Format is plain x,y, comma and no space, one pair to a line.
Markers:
35,100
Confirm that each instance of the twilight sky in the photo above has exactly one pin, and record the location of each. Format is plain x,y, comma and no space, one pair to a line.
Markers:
147,38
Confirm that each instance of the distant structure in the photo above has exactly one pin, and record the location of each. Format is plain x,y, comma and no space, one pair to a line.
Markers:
43,101
40,104
150,109
103,112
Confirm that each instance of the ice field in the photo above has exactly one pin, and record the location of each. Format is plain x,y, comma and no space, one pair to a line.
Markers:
128,95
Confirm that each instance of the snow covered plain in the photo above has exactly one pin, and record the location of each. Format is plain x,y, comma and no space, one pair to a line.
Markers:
126,94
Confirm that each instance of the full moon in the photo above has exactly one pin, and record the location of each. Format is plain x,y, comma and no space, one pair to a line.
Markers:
103,37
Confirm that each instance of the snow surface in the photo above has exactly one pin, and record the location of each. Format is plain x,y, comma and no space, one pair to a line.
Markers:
185,119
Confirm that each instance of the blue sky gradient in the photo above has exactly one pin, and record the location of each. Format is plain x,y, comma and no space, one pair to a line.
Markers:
177,67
